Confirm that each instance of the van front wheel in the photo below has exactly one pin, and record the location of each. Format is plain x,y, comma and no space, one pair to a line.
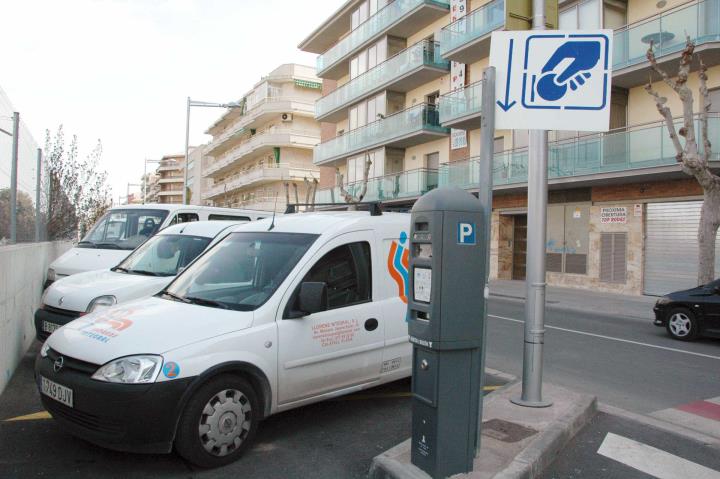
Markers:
218,423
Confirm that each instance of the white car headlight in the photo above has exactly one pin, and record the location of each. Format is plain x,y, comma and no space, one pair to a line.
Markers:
51,274
101,302
141,369
44,349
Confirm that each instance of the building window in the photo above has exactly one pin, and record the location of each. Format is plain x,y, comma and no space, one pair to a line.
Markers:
613,257
568,234
581,16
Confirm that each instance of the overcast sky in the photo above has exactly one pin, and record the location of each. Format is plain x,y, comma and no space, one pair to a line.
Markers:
120,70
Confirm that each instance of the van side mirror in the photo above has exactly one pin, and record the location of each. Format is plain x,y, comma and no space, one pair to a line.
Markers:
312,298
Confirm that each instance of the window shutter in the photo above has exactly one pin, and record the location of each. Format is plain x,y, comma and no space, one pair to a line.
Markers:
613,257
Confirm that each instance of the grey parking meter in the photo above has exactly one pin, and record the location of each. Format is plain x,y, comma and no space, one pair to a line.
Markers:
445,316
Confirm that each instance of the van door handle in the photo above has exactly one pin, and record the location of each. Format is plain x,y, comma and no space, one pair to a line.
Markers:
371,324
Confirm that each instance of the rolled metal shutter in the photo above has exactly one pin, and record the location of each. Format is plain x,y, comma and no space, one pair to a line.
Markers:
671,249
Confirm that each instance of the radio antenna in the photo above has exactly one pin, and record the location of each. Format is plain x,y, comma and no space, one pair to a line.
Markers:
272,225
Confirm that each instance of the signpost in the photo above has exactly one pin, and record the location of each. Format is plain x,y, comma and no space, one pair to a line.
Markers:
557,80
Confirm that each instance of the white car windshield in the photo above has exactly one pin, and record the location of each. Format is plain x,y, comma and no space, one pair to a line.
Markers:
163,255
241,272
124,229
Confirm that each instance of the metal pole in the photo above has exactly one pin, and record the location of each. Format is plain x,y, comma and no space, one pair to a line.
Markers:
145,181
13,178
535,266
38,175
187,149
487,153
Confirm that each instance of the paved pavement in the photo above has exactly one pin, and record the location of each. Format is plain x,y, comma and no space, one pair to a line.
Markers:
612,447
332,439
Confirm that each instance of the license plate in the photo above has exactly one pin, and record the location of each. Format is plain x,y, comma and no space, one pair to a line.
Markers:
50,327
56,391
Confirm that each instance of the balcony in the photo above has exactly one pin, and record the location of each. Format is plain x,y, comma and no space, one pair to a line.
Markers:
259,114
412,67
412,126
400,18
267,173
467,40
461,108
701,21
398,186
262,142
171,179
641,150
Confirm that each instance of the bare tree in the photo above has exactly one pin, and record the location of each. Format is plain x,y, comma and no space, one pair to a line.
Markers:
347,196
694,159
310,189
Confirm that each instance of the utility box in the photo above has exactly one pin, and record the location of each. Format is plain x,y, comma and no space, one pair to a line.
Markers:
448,272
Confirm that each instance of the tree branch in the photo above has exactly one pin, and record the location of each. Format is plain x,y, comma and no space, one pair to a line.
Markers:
366,173
706,154
660,104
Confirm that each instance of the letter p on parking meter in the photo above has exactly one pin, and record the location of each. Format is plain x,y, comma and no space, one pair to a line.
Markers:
448,272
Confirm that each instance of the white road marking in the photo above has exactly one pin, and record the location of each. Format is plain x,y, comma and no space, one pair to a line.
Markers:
652,461
611,338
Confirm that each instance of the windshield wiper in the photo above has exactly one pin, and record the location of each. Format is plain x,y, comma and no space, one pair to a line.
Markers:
206,302
107,246
87,244
174,296
143,272
120,268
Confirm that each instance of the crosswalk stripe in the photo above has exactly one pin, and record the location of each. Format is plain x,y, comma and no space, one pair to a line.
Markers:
652,461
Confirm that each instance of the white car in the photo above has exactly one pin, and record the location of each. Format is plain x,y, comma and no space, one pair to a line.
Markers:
279,314
124,228
145,272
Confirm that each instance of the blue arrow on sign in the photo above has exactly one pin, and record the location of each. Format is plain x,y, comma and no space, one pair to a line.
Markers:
508,104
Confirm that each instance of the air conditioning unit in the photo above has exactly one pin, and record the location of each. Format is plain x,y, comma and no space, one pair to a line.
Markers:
286,117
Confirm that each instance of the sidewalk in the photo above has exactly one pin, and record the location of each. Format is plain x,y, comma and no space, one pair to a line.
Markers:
639,307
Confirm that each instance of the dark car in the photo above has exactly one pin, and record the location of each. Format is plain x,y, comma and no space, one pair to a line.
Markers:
690,313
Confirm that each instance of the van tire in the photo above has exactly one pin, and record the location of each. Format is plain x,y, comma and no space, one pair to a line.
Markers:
218,422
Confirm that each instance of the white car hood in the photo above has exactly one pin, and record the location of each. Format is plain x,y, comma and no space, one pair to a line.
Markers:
79,260
75,292
147,326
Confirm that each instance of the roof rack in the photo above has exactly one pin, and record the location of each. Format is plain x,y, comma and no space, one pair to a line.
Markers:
373,207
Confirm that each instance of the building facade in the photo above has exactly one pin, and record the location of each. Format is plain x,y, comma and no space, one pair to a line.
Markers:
171,178
402,88
266,143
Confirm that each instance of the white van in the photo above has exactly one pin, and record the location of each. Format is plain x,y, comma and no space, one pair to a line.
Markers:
147,270
275,316
123,228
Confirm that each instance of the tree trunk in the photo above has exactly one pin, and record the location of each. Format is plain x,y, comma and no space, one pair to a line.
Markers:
707,233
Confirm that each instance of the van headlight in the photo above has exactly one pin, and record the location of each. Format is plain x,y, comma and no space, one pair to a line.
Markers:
130,370
101,302
51,274
44,350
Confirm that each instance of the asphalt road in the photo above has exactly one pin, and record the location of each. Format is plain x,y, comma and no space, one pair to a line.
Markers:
625,362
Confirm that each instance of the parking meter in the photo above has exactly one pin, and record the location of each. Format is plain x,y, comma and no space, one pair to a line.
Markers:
448,272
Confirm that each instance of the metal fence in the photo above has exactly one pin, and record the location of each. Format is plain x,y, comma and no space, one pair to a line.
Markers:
23,180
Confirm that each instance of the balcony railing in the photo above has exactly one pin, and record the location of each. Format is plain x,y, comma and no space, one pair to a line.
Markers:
424,53
378,133
472,26
632,148
372,27
461,103
700,21
406,184
270,171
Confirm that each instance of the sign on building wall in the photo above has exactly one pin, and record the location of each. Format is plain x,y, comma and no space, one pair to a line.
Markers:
458,138
613,215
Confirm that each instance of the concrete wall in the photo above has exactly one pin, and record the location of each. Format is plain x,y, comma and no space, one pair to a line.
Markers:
22,274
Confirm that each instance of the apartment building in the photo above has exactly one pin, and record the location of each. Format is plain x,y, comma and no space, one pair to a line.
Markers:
171,178
402,87
266,143
150,187
196,183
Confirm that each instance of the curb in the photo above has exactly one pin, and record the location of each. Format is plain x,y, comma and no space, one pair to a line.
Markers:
557,305
507,377
541,452
650,421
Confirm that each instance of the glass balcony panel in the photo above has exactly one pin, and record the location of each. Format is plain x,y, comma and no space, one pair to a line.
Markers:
475,24
373,26
422,53
414,119
460,103
700,21
406,184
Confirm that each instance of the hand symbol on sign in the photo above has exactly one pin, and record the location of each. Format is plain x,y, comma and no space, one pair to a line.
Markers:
584,55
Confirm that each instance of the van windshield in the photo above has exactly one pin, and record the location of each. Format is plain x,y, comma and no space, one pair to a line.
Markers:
124,229
241,272
163,255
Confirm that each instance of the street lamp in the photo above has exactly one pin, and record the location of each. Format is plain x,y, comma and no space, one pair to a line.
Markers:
190,103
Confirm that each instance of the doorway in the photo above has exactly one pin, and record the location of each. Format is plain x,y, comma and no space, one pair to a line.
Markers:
519,246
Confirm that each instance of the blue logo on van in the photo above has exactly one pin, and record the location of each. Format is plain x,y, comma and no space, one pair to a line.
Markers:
171,370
